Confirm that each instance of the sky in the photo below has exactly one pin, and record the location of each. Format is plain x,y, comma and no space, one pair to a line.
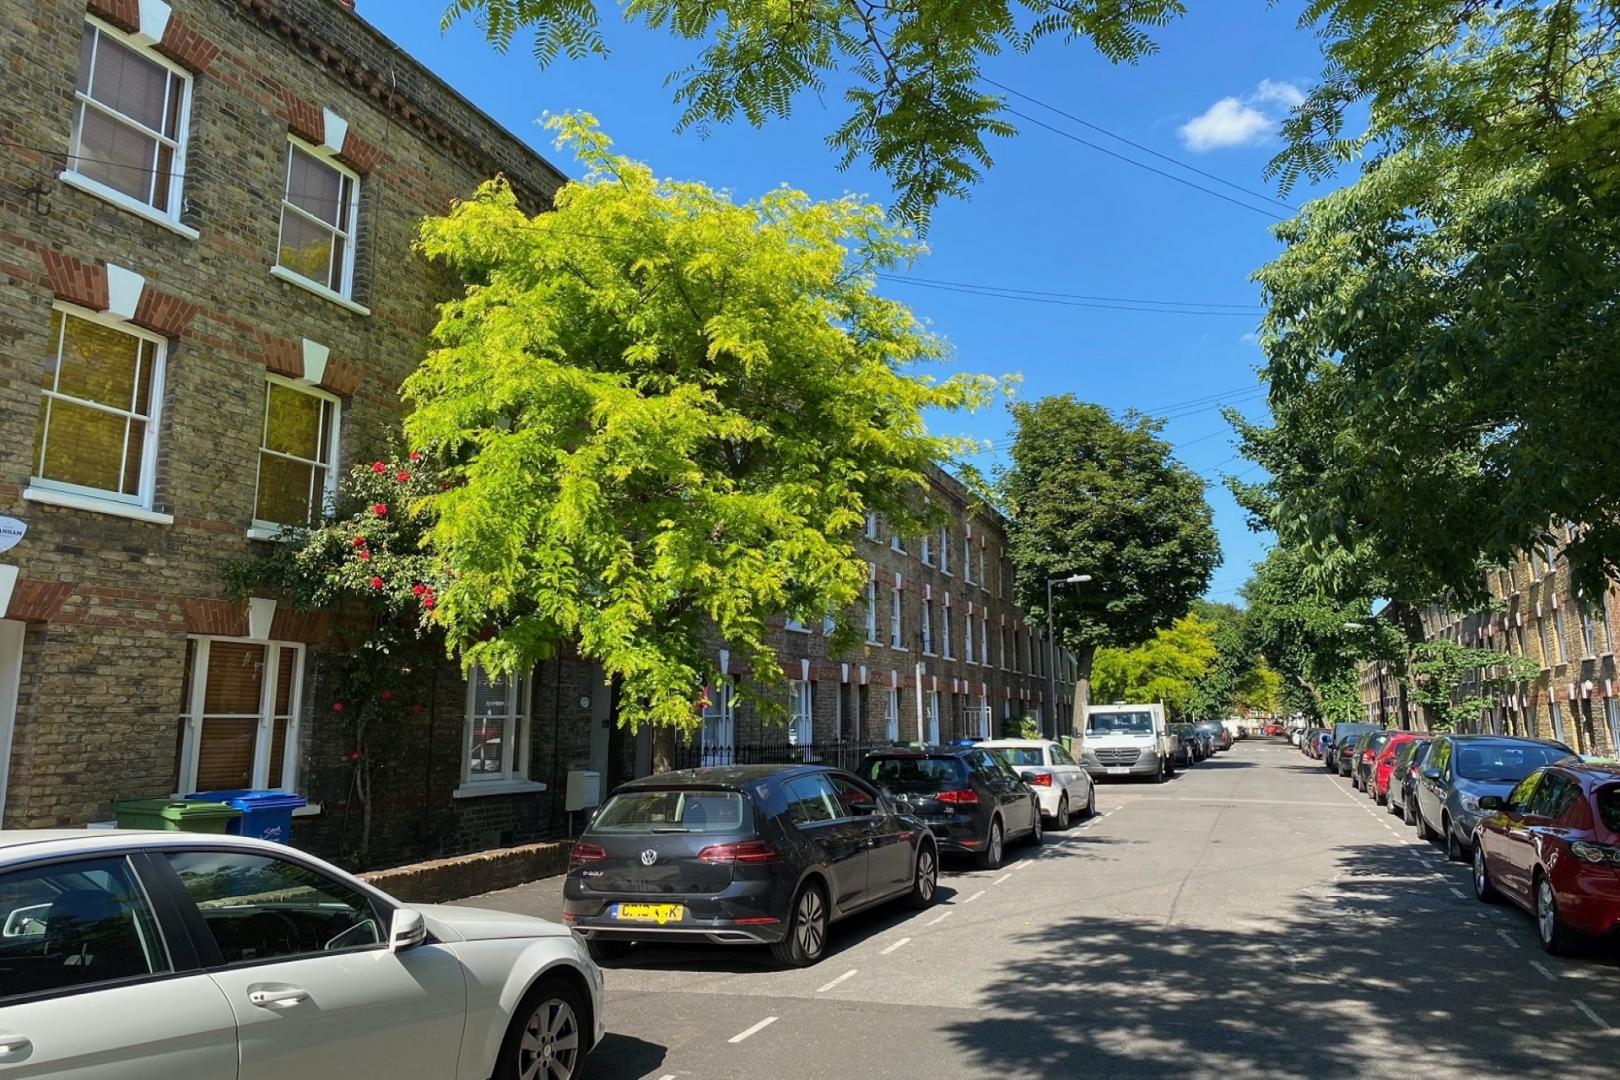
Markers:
1051,216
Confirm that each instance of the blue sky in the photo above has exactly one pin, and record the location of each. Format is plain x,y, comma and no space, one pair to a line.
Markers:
1052,215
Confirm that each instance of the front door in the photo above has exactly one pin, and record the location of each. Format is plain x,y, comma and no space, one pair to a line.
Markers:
88,990
11,643
888,844
840,840
303,960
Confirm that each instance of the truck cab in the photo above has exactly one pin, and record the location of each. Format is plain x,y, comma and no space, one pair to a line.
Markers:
1123,740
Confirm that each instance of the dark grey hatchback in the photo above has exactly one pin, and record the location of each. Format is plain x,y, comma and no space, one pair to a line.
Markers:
743,855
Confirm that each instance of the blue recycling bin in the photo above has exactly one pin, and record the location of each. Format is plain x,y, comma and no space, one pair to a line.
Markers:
266,815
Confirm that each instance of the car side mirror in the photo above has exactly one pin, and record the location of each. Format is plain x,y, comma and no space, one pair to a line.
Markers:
1431,774
407,930
1493,802
903,807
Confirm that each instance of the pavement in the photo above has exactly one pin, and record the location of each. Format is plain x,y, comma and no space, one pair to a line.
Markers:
1253,917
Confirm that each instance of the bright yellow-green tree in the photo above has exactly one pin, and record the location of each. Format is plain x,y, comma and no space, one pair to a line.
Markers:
660,417
1165,668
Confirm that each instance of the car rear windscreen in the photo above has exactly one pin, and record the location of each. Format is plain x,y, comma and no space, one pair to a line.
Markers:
1504,762
915,774
1019,755
1120,723
674,811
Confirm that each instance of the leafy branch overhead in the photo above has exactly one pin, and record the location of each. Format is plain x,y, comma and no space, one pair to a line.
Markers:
908,69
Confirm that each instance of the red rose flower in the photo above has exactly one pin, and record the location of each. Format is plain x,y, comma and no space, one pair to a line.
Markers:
363,554
416,455
381,509
376,583
428,599
337,706
416,709
387,695
419,588
402,476
379,467
359,541
354,755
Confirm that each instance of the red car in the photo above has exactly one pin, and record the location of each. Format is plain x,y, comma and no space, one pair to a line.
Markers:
1383,766
1274,729
1553,848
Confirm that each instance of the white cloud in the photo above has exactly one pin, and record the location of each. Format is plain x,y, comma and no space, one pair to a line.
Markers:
1233,121
1251,338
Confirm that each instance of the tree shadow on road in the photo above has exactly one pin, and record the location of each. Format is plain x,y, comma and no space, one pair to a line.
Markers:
1380,973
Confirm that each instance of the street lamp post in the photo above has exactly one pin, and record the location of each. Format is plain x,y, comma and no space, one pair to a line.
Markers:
1051,643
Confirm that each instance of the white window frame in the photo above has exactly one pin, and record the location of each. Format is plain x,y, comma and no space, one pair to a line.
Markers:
871,525
193,716
1546,642
984,717
1611,708
927,627
945,632
891,714
514,774
153,418
1608,630
967,639
931,706
871,613
926,551
261,527
1556,709
718,735
1588,633
967,557
1558,634
984,578
945,552
829,624
351,237
1004,649
984,640
179,145
796,625
897,638
801,713
895,543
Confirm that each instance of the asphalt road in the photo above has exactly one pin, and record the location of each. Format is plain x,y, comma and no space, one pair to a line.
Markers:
1254,917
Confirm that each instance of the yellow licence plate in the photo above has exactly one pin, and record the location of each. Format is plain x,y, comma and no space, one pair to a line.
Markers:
654,913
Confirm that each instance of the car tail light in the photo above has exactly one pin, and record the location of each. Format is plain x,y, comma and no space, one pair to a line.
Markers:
757,920
1040,780
748,851
961,797
584,853
1588,852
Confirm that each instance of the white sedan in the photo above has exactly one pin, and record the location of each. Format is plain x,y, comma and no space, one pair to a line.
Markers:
152,956
1062,785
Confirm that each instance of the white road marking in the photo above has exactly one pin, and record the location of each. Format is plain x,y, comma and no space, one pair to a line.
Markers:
974,897
1509,938
1015,867
667,1076
823,988
937,919
1459,894
762,1025
1545,974
1592,1016
896,945
1000,879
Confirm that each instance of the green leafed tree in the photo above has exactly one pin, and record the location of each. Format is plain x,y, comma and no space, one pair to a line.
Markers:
908,70
1441,334
1231,674
660,417
1456,684
1089,494
1167,667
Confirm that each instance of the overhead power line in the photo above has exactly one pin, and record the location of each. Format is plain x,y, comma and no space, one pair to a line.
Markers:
1138,146
1004,294
913,279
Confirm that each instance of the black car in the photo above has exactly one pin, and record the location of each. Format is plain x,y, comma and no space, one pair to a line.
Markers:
1408,760
1344,732
1217,732
971,799
743,855
1189,745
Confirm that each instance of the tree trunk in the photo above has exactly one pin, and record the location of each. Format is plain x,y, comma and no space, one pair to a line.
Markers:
1082,687
663,748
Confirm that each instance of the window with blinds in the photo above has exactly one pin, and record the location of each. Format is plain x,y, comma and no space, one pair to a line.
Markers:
240,718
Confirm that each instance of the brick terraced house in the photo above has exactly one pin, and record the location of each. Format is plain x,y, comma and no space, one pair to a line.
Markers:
210,299
1534,612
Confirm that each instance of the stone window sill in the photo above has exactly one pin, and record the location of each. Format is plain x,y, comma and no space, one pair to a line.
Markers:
75,501
124,202
318,289
501,787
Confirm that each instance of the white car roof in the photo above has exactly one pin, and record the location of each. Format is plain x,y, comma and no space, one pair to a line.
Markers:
1015,742
29,843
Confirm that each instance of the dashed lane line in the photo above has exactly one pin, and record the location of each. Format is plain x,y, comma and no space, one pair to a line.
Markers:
1592,1016
903,941
1542,968
1459,894
1003,877
937,919
826,986
756,1029
1507,937
974,897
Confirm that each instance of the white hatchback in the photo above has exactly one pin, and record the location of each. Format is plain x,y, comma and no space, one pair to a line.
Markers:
154,956
1062,785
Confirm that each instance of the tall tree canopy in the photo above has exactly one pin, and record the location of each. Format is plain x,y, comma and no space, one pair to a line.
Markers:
660,417
1311,638
908,69
1441,335
1089,494
1166,667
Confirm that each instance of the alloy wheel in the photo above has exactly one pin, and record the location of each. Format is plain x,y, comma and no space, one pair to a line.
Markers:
1546,914
995,843
810,928
927,875
550,1045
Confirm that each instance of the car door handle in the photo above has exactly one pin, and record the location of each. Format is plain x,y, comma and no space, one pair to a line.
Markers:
12,1044
277,999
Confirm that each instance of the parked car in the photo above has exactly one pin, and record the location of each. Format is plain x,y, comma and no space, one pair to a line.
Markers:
1274,730
1345,752
1462,769
1382,772
1189,745
1343,732
1218,732
971,800
1060,784
1552,846
1128,741
1368,747
1403,777
136,956
1319,742
745,855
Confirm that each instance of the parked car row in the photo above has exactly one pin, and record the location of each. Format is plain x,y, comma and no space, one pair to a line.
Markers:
1540,825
